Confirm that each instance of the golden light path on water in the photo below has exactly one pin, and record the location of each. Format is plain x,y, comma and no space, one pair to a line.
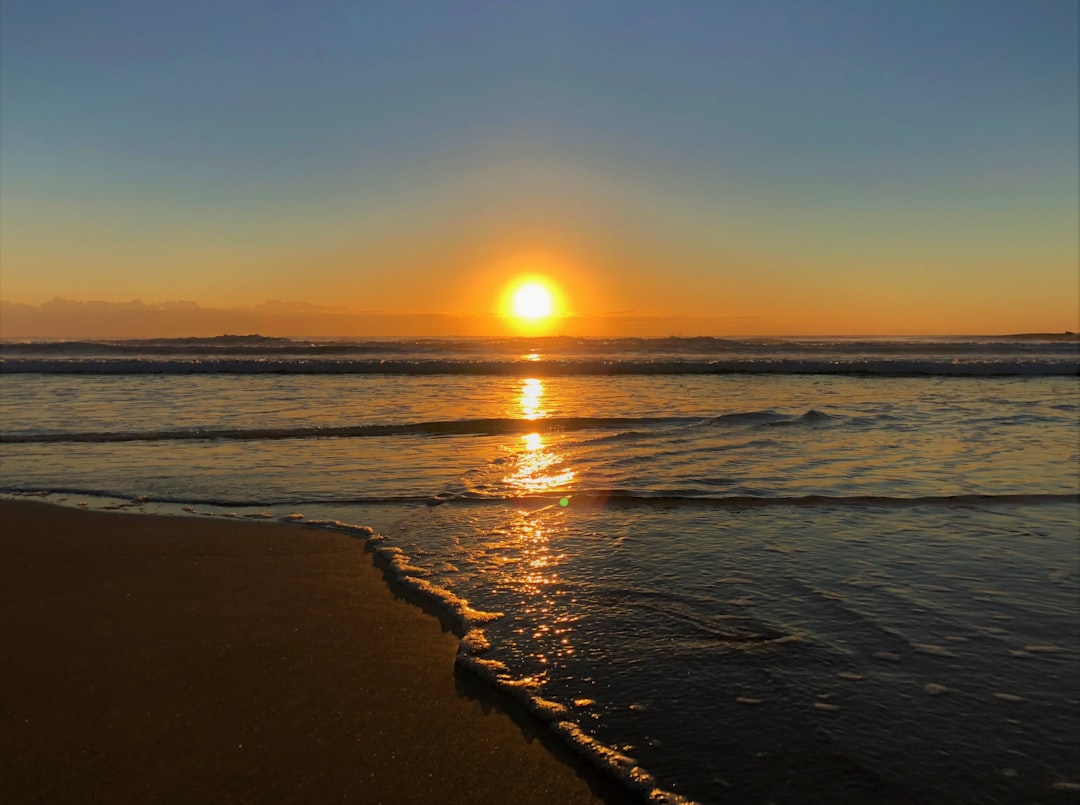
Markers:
539,467
532,394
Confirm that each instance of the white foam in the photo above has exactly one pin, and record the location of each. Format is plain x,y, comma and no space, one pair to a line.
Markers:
547,709
618,764
410,576
338,525
523,690
491,671
474,643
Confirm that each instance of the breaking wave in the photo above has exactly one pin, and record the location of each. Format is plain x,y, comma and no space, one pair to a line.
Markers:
1035,366
458,427
1035,355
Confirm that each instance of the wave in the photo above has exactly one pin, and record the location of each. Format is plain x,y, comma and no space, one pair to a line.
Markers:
467,623
593,498
908,366
628,498
459,427
1067,343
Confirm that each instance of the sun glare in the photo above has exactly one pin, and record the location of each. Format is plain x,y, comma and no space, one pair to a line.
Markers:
532,301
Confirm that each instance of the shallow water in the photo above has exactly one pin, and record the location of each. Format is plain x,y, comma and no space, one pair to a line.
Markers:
804,587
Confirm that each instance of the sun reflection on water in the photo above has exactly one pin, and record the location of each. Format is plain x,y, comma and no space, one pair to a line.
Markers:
532,393
539,464
539,467
544,624
539,561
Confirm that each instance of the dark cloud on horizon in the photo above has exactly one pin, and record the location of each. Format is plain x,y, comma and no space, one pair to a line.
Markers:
65,318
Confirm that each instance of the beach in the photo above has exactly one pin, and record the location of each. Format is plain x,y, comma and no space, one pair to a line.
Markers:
714,570
670,403
150,658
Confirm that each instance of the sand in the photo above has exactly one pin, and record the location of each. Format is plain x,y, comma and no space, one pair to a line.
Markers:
148,658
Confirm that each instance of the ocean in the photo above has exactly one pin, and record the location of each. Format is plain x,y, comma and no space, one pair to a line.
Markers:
722,570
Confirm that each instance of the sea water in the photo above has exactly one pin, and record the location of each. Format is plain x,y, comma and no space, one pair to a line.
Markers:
724,571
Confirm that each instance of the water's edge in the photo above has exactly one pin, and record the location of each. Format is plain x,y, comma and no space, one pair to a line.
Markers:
611,775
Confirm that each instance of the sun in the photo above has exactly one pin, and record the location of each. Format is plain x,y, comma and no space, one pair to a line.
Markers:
532,302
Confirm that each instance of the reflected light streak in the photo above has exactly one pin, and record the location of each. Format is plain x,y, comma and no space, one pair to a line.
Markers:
539,467
550,627
533,472
539,562
532,392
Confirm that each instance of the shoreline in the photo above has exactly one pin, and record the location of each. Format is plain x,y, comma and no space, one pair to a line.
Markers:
173,658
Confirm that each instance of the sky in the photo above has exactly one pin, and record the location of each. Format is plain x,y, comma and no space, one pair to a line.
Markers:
723,168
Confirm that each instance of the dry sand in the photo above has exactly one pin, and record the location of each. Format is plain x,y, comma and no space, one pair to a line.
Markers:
194,660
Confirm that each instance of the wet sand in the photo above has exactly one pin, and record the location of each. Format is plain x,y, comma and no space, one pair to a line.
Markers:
174,659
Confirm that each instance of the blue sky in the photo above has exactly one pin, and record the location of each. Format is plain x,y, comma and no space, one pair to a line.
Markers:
680,154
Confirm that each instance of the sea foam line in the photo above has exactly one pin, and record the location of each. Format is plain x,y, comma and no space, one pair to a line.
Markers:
588,498
942,366
465,622
711,346
459,427
489,426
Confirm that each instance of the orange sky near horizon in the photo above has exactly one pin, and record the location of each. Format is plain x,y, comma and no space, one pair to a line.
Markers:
677,268
747,297
722,169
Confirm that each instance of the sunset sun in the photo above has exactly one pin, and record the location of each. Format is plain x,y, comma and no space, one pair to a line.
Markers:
532,301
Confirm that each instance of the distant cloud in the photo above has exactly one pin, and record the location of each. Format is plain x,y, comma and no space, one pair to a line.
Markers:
65,318
290,308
